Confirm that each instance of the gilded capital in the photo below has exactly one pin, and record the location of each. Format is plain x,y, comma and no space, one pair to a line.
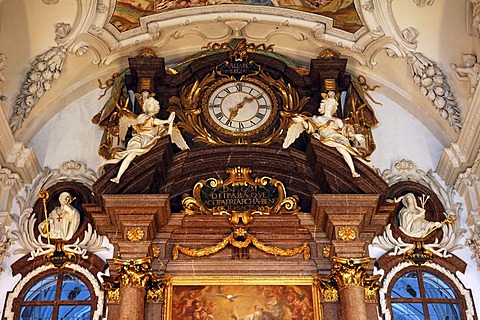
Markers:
372,285
349,272
327,288
135,273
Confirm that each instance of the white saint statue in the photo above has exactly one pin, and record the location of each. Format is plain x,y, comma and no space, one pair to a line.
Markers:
63,221
411,218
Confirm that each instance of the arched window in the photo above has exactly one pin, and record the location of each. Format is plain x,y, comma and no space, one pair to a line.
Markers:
61,294
419,293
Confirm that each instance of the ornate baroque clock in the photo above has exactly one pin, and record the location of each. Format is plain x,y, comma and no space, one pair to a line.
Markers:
239,108
237,103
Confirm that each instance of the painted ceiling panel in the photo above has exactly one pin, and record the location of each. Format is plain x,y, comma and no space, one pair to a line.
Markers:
127,13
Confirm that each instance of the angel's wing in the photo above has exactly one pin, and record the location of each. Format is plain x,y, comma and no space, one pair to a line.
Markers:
294,131
139,99
177,138
127,119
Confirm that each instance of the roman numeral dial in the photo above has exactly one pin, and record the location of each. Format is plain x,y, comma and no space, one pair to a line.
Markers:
240,108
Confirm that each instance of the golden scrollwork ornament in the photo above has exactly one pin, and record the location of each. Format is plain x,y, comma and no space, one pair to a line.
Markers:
240,197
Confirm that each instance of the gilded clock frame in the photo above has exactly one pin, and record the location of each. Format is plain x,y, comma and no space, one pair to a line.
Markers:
251,133
187,107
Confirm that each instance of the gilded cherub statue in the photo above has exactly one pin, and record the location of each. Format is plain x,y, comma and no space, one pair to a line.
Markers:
330,130
148,129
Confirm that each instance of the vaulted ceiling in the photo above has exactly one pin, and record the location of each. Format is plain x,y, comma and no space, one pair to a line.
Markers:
57,49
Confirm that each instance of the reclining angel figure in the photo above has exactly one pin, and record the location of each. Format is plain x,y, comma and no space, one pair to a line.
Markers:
330,130
148,129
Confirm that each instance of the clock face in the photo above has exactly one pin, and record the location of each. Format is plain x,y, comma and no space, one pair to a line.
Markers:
240,108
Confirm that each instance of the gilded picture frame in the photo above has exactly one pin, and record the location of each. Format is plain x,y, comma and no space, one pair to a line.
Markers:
239,297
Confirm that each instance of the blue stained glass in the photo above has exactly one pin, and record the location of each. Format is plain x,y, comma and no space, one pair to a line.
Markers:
36,313
408,311
406,287
43,289
74,289
444,311
436,287
74,312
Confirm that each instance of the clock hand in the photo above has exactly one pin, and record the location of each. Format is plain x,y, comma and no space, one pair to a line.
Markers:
234,110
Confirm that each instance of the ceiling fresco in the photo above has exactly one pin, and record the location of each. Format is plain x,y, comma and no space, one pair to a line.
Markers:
127,13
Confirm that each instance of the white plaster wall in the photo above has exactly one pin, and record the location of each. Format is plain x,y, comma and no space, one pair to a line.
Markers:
399,135
70,134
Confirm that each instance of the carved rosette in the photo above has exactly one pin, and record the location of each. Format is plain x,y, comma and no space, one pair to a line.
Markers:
135,234
347,233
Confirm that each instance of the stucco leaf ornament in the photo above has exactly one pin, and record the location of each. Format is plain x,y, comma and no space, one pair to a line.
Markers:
432,84
46,68
25,235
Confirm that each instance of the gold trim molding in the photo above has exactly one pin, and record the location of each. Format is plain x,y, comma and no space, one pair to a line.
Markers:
241,244
240,177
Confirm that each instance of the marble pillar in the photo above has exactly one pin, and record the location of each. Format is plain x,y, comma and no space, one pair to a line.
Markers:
350,276
133,287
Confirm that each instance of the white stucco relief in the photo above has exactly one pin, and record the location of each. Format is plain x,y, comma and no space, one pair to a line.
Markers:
26,221
452,233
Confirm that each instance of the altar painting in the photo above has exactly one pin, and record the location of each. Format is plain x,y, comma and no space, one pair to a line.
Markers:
226,302
127,13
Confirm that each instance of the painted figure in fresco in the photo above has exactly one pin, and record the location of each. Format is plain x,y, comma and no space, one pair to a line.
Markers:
330,130
258,314
63,221
148,129
412,217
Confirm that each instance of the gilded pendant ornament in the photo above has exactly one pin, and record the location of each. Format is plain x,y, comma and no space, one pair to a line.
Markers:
240,197
347,233
418,255
327,249
241,244
156,251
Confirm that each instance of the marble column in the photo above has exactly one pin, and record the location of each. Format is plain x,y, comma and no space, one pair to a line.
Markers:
350,275
133,286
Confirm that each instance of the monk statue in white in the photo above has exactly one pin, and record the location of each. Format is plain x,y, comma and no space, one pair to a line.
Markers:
63,221
148,129
411,218
330,130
